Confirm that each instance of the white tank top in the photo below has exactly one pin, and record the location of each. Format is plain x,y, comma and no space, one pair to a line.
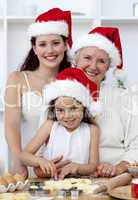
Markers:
32,105
74,146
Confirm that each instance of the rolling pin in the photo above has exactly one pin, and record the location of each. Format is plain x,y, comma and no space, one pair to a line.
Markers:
120,180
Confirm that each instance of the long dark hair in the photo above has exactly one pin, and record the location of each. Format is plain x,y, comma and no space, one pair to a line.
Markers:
31,61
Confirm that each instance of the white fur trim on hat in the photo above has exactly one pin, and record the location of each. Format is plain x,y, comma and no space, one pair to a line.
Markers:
69,88
49,27
95,108
99,41
120,74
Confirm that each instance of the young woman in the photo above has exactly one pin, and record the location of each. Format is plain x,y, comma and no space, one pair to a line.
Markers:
95,53
50,35
68,130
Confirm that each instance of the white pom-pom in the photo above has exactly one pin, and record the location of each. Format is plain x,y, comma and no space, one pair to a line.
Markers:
120,74
95,108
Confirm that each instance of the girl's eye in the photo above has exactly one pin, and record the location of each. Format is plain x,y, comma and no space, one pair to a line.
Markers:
59,110
74,108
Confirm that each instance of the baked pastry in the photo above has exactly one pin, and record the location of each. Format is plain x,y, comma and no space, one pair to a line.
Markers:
3,185
3,181
9,178
19,177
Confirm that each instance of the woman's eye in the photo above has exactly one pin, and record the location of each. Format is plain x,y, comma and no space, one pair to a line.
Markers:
101,61
87,58
42,44
56,43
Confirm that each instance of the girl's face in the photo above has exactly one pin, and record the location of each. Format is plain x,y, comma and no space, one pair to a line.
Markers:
94,62
50,50
69,112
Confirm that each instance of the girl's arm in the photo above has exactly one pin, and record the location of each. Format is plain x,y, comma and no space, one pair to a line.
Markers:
28,156
86,169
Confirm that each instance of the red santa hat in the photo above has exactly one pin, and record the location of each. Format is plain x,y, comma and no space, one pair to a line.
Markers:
106,38
54,21
72,82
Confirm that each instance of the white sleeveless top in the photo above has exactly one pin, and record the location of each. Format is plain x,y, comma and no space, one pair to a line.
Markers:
32,105
74,146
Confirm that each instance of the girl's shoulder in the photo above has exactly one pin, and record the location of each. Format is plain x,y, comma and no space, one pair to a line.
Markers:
94,129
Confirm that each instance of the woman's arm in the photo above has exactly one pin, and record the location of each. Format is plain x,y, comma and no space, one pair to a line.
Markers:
13,113
13,120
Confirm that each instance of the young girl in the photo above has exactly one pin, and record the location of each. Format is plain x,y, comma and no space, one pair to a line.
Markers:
68,132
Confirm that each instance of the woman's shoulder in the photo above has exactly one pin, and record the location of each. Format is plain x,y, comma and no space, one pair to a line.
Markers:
111,90
15,77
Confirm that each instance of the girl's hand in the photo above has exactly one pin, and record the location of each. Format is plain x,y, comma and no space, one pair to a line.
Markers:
47,167
59,163
106,170
18,167
71,168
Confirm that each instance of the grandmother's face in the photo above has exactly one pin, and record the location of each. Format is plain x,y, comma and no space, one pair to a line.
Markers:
94,62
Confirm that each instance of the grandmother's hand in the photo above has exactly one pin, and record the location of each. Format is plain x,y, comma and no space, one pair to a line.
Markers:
121,167
106,170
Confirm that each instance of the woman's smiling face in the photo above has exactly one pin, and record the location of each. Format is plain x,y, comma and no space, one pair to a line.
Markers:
94,62
50,50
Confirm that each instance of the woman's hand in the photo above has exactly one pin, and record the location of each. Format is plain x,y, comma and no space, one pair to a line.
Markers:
121,167
18,167
106,170
40,174
47,167
71,168
59,164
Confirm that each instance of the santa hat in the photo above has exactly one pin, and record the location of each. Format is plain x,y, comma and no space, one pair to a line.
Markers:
54,21
106,38
72,82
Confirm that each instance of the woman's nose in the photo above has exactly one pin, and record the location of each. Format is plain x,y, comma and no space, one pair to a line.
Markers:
93,64
49,48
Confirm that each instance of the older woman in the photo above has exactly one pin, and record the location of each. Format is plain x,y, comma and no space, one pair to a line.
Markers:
95,53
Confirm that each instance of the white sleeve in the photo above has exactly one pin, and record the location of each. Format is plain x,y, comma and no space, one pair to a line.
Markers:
129,116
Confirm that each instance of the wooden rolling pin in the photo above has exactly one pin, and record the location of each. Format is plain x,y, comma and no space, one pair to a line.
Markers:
120,180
